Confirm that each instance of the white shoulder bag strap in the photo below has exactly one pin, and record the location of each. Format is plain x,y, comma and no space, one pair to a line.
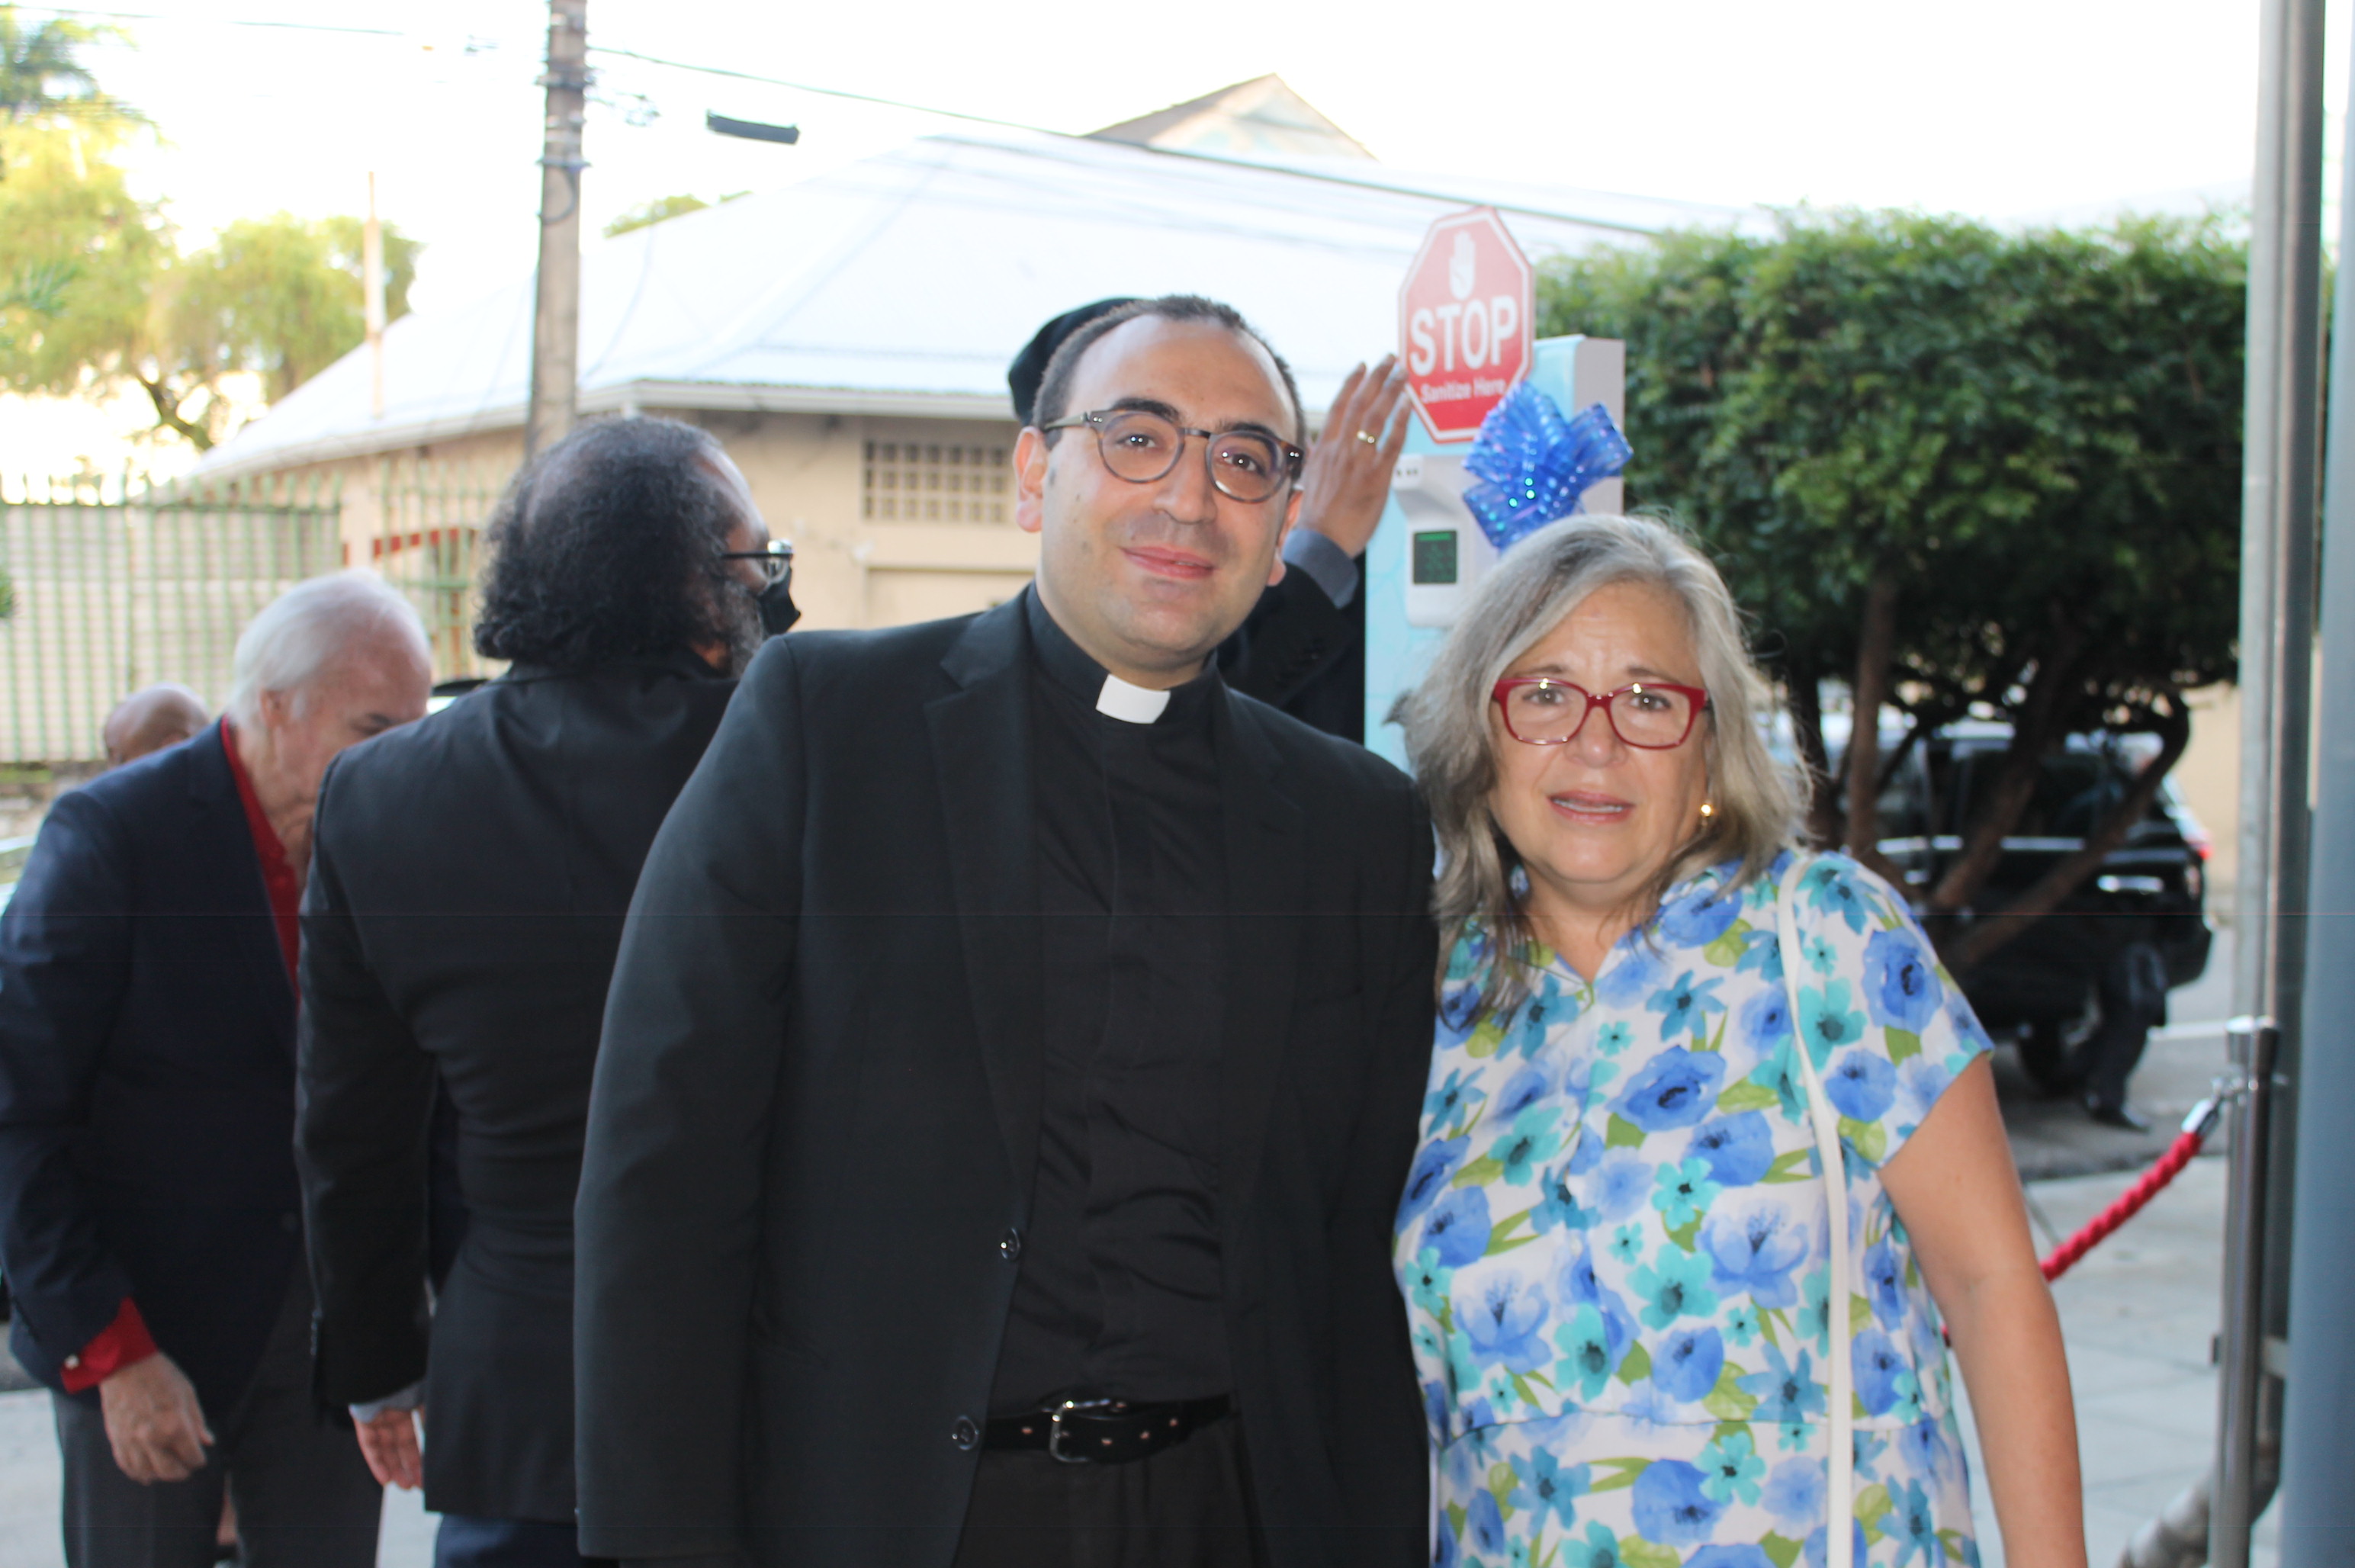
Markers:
1839,1536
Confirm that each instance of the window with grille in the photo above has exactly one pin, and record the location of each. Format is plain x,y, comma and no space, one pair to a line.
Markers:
937,482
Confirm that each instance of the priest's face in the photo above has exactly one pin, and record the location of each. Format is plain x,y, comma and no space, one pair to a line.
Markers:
1150,577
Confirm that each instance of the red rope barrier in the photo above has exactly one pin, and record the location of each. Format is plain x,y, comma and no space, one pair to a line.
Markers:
2130,1203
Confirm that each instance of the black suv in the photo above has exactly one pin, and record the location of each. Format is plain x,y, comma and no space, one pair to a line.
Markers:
2082,985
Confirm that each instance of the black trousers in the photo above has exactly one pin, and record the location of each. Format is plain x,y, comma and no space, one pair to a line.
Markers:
304,1497
464,1543
1189,1506
2134,1001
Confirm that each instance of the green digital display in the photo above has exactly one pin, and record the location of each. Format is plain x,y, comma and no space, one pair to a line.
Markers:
1434,557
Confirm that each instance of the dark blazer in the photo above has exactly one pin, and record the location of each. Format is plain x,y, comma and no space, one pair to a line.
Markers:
1304,653
467,890
817,1105
147,1077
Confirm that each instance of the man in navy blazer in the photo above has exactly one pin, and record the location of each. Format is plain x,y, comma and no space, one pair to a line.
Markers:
149,1212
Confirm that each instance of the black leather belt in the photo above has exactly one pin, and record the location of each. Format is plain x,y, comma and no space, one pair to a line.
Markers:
1106,1431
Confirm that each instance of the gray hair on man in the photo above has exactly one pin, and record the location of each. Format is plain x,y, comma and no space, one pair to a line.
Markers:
1451,744
301,632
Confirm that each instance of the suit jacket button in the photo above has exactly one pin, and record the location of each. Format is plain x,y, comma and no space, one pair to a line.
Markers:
965,1433
1010,1246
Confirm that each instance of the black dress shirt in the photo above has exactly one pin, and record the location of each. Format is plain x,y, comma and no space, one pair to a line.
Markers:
1119,1294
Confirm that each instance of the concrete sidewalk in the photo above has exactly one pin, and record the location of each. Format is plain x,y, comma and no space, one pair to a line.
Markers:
2137,1315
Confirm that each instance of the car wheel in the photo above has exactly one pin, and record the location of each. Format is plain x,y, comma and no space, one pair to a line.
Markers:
2044,1056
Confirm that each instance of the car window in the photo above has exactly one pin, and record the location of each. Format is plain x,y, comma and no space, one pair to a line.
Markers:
2075,792
1902,801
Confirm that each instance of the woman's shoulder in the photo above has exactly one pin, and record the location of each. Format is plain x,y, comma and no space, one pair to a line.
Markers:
1833,885
1827,879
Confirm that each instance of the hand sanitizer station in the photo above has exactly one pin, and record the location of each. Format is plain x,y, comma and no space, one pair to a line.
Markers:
1465,316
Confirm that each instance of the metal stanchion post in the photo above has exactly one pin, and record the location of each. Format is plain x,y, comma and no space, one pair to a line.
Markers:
2251,1043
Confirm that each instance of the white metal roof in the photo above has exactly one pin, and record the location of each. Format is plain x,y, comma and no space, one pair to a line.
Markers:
903,284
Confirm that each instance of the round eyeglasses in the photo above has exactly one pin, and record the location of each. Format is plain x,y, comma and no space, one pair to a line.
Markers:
776,559
1141,446
1651,715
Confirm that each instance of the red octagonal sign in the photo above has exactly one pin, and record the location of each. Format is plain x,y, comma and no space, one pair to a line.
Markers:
1464,322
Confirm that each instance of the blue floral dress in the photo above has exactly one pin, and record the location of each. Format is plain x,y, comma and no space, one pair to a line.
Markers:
1615,1250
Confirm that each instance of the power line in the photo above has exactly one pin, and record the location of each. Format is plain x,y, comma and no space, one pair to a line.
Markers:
826,91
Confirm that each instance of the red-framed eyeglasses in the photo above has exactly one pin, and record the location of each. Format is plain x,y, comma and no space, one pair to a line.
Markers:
1651,715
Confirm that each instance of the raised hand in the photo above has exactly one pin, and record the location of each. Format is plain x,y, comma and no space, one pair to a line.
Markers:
1347,479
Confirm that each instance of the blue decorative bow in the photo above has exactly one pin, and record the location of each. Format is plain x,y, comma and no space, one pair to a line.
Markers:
1533,464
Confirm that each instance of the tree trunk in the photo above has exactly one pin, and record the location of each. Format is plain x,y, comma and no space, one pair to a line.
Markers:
1805,691
167,414
1983,937
2037,729
1875,649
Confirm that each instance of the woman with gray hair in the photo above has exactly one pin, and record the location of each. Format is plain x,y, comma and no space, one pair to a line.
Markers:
1676,1286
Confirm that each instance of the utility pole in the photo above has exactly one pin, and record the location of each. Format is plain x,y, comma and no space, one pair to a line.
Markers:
2281,452
372,285
556,314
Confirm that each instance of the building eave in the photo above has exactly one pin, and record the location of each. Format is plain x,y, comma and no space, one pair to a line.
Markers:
748,398
630,397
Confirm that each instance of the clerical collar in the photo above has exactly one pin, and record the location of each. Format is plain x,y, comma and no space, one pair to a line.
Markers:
1069,667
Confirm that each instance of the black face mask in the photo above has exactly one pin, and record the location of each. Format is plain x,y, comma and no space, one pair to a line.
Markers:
778,612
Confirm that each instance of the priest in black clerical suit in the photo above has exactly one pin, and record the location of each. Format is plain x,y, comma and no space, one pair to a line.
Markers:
1014,1057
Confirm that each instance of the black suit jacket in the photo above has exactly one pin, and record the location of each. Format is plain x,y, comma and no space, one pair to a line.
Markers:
467,891
817,1105
1304,653
147,1077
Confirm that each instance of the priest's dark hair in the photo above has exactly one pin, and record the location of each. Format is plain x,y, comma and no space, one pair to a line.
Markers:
1055,385
607,546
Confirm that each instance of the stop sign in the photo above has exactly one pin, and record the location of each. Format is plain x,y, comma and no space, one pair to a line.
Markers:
1464,322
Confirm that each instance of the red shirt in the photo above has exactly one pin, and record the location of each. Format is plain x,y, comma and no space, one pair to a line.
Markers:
278,877
126,1340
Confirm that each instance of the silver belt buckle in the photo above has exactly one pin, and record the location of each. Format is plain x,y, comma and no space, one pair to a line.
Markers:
1055,1428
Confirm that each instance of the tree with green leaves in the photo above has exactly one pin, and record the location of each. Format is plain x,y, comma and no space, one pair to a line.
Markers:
94,291
1969,472
41,73
278,296
68,216
53,118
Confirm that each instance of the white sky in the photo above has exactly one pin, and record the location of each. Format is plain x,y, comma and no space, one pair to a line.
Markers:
1995,110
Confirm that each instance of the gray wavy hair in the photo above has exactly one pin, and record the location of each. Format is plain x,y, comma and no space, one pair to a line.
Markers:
1451,744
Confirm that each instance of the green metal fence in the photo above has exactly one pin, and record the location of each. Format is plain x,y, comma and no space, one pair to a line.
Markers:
428,542
114,585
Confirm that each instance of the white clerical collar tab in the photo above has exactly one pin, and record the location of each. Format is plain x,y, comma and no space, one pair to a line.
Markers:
1130,704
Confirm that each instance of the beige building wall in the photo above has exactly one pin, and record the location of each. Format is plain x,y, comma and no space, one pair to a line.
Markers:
2208,779
892,520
